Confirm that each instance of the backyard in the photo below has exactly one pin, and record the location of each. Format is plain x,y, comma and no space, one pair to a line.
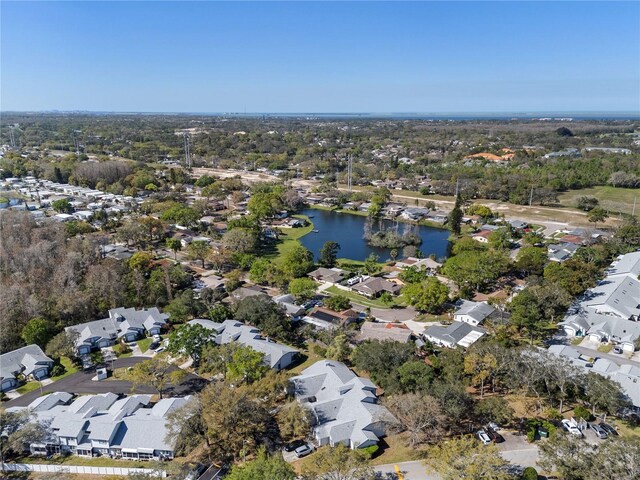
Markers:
360,300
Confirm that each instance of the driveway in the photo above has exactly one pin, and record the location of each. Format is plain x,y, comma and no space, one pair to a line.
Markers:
82,382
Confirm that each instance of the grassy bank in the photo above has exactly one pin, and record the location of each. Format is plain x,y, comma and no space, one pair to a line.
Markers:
289,239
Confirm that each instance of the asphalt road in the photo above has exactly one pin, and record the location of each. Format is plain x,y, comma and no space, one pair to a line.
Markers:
81,383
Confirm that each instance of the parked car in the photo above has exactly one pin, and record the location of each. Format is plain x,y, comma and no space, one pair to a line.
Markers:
160,349
571,427
483,437
303,451
617,349
598,430
608,428
157,338
154,345
494,436
494,426
290,447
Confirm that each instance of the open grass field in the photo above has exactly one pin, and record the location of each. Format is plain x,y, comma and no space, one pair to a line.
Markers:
360,300
289,239
611,198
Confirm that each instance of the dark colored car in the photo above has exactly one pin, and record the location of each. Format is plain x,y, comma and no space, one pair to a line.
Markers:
290,447
608,428
154,345
494,436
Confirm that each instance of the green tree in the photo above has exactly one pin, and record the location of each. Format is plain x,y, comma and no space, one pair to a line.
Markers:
157,372
573,275
382,360
371,265
240,240
264,466
190,340
466,458
302,289
587,203
297,261
339,349
529,473
602,392
199,250
175,245
235,422
531,260
476,270
569,457
266,315
337,303
480,367
37,331
597,214
294,421
427,296
415,376
494,409
500,238
63,344
329,254
337,463
455,217
247,365
62,206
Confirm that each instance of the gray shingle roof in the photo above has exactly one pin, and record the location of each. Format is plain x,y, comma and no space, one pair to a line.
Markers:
234,331
476,310
23,360
344,405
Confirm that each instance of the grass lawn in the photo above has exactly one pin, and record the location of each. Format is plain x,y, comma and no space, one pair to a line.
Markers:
144,344
28,387
611,198
605,348
311,358
396,449
359,299
82,461
289,239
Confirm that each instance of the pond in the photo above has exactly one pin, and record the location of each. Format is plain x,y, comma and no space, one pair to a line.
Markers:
347,230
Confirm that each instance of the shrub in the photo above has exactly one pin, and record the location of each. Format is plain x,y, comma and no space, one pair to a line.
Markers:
553,414
123,348
371,450
581,412
57,370
531,434
529,473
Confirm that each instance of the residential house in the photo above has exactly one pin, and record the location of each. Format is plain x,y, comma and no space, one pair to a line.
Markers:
345,407
627,376
419,263
473,313
397,332
329,275
482,236
375,286
241,293
326,319
276,355
457,334
414,213
91,425
126,323
559,252
603,328
288,302
29,362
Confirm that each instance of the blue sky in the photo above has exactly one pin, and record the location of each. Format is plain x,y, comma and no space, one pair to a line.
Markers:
321,57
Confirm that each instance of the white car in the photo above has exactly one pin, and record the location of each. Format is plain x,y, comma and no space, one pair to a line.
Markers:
159,349
571,427
157,338
483,437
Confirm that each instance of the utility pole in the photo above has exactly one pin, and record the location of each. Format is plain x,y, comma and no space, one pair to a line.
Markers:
531,197
349,171
187,152
12,138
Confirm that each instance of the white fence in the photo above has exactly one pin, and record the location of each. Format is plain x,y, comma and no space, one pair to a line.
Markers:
36,467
